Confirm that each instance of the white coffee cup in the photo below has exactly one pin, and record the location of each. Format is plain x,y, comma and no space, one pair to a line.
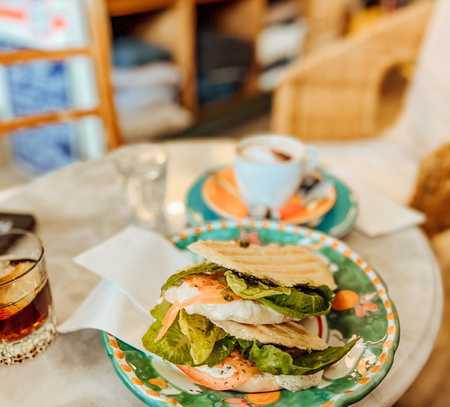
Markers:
269,168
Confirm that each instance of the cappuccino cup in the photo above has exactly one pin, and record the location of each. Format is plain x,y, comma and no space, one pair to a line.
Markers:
269,169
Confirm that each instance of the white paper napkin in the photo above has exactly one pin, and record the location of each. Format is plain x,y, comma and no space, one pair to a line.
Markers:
136,260
133,264
380,215
382,173
109,309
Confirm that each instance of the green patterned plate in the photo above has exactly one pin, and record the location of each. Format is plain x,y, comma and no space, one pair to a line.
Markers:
338,222
362,307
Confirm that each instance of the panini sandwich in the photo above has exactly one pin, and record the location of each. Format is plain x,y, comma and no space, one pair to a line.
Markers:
234,322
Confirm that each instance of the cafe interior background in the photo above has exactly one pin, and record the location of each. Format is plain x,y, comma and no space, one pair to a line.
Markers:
358,75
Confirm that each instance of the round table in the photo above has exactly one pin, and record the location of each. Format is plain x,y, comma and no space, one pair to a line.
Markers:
82,205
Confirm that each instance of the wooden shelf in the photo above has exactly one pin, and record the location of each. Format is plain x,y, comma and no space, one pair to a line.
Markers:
172,24
127,7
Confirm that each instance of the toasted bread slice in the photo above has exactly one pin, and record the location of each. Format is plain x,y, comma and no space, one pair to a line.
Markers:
291,334
284,265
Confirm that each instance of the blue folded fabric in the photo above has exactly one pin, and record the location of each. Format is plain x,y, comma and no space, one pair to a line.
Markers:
34,88
129,52
213,92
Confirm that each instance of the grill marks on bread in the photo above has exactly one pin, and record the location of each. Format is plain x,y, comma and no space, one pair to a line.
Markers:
286,266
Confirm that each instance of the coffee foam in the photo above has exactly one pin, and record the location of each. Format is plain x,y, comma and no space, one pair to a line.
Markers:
266,153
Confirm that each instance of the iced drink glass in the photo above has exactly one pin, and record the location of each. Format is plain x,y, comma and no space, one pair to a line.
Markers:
27,325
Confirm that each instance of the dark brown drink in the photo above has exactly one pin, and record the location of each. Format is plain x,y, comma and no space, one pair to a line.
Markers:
21,318
27,325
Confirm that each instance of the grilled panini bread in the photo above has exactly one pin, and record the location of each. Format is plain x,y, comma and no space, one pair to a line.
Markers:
286,266
290,334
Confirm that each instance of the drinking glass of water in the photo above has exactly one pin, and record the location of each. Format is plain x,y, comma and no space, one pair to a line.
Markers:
144,168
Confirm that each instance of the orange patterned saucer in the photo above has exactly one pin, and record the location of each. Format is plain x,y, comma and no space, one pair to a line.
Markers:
221,194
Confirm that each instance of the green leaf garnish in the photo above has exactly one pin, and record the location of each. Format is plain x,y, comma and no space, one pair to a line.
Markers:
271,359
221,350
254,290
202,335
191,340
297,302
174,346
301,302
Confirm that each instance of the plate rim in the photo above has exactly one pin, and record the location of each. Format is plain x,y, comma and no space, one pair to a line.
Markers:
227,216
345,250
338,231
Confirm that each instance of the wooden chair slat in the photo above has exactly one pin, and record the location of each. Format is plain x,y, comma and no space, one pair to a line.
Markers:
43,119
29,55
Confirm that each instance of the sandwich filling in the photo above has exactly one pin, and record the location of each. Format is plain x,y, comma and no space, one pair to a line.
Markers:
202,349
222,294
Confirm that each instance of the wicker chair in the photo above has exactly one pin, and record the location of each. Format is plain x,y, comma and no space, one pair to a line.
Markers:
334,93
326,22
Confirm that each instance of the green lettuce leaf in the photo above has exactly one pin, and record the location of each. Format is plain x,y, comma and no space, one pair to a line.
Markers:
221,350
301,302
160,310
191,340
202,268
252,290
174,346
202,335
271,359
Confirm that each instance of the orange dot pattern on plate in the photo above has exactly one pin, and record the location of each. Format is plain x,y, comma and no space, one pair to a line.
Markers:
157,381
363,380
375,368
345,300
152,393
126,368
263,399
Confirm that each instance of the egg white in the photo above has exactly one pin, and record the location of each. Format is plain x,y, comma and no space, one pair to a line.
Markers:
244,311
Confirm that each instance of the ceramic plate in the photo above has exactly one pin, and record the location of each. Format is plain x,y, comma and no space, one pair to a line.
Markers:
336,216
363,308
220,192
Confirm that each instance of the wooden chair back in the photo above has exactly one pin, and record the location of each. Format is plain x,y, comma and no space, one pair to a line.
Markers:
334,93
97,50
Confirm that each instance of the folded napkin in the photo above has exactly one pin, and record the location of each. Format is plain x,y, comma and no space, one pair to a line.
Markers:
133,265
380,215
382,174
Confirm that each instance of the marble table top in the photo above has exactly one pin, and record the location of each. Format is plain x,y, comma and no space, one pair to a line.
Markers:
83,205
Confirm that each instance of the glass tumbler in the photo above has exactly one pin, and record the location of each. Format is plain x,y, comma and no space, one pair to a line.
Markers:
27,324
144,168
